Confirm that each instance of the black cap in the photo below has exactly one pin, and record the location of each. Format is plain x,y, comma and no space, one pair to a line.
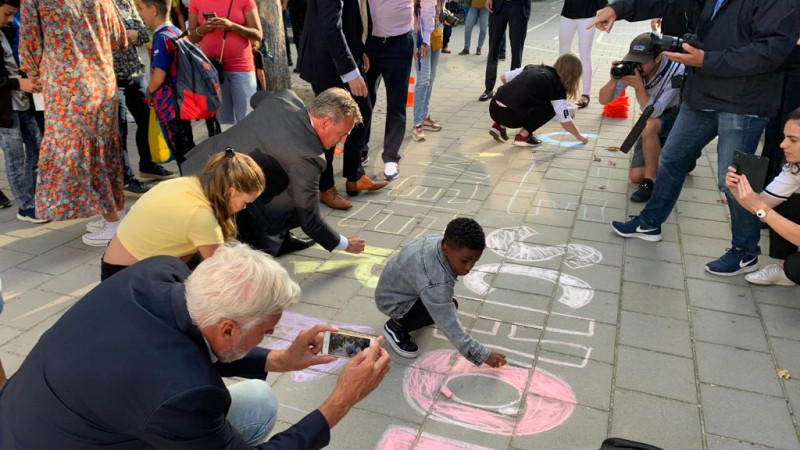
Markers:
641,49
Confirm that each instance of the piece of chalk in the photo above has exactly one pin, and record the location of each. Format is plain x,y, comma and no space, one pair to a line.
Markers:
446,392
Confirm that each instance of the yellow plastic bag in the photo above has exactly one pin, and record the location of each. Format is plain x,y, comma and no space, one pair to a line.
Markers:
437,39
159,150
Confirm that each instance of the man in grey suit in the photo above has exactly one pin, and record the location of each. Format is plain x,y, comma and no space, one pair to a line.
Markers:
287,140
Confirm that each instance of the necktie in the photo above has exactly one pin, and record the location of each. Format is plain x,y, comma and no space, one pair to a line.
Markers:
364,21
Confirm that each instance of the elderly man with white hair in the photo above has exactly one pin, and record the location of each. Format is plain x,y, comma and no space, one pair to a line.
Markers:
138,363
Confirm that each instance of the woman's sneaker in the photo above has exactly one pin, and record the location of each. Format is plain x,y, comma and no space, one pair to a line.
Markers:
527,141
772,275
417,133
400,340
98,224
430,124
498,132
29,215
101,237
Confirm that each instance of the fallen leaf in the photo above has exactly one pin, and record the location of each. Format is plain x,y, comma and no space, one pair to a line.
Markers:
596,159
783,373
612,163
602,188
722,201
612,149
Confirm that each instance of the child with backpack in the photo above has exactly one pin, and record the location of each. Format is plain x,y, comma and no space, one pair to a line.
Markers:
163,62
416,290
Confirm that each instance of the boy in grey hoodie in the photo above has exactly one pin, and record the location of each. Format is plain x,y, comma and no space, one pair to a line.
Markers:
416,290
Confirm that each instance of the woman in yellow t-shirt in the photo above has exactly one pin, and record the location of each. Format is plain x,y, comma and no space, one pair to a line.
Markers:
187,215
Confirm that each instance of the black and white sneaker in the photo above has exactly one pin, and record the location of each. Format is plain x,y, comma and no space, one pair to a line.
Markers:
400,340
642,195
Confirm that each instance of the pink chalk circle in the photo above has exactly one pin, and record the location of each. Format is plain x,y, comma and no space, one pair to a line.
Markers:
544,404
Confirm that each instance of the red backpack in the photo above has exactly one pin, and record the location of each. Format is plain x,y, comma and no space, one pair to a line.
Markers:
196,90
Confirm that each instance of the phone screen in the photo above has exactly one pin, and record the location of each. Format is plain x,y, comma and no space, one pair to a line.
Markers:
209,15
345,345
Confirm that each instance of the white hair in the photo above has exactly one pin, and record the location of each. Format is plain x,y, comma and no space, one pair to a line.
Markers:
240,284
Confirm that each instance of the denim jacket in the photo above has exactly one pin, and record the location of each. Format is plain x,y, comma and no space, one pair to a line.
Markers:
421,271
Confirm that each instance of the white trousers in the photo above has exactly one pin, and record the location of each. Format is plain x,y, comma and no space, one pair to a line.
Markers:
566,31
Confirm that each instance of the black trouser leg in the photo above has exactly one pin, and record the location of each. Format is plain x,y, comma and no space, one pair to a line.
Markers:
497,29
178,135
127,172
356,142
773,133
779,247
517,30
417,317
135,91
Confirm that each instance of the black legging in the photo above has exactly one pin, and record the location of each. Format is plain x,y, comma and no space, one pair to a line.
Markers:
779,247
531,118
417,317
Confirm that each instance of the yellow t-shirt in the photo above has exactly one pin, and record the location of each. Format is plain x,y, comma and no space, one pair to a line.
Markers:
173,218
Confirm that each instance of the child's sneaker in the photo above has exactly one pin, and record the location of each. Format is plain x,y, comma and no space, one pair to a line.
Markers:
417,133
400,340
430,124
29,215
772,275
498,132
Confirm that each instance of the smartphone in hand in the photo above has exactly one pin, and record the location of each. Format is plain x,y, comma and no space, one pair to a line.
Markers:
208,15
345,344
752,166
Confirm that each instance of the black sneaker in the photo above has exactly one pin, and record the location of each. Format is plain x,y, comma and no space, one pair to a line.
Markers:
157,172
400,340
642,195
4,201
136,188
534,141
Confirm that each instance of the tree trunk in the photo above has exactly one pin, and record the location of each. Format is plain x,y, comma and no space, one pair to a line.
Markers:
276,69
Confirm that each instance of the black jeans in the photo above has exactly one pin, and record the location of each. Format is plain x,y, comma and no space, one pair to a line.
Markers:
390,59
417,317
133,91
353,145
512,16
780,248
530,118
106,269
773,133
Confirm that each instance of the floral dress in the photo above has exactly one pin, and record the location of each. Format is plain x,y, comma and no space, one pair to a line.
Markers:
67,45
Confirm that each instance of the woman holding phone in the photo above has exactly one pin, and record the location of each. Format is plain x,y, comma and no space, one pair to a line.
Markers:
224,29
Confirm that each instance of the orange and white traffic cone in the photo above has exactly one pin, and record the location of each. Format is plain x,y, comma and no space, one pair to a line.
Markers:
412,83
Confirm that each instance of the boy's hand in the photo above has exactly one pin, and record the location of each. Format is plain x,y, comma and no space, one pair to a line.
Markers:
496,360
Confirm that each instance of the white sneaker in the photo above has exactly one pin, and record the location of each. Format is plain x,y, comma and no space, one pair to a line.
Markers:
101,237
390,171
772,275
97,225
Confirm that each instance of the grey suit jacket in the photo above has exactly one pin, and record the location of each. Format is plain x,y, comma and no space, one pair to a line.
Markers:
278,134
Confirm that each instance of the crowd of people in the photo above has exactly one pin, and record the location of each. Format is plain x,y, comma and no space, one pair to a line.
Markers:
189,268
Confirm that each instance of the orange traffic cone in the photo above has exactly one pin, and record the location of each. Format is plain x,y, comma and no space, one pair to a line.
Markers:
412,83
339,149
617,108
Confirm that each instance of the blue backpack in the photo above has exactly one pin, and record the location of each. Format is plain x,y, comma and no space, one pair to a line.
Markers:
196,90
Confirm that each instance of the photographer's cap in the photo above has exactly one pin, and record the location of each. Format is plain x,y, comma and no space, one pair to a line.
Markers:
641,49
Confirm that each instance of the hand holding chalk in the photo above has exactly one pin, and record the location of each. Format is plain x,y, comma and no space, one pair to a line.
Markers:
496,360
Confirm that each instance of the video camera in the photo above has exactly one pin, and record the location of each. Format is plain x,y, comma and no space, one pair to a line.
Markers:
674,44
448,18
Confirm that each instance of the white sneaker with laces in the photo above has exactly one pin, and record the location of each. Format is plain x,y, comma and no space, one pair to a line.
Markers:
97,225
390,171
772,275
101,237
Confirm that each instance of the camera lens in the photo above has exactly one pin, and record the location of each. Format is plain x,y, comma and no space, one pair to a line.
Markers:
622,70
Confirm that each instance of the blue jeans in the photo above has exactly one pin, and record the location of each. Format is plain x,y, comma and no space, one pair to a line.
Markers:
254,409
237,89
694,129
21,149
477,16
426,73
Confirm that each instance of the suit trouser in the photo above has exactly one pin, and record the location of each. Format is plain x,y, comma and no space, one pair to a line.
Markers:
781,248
355,142
390,59
510,15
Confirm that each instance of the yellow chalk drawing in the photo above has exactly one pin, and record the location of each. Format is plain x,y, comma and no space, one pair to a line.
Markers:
364,264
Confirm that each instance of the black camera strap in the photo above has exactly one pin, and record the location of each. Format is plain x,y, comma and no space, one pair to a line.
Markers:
638,127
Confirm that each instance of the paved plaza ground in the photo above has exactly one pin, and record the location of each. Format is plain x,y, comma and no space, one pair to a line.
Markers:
605,336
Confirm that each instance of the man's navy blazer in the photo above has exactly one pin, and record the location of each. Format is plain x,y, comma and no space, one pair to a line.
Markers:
497,6
125,368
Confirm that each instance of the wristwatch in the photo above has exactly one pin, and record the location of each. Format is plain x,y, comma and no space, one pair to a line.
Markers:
761,213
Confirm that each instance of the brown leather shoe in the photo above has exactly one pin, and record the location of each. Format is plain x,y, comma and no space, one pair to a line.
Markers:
363,184
334,199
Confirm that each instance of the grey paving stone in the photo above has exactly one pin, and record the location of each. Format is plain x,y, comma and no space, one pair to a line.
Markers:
600,278
560,186
703,211
706,228
721,297
591,384
524,300
607,199
700,196
9,258
362,429
592,424
704,246
560,202
58,261
598,345
40,242
655,333
657,273
787,354
75,282
781,322
654,300
524,284
793,389
539,214
331,291
751,417
11,363
598,214
33,306
517,342
777,295
508,204
611,253
17,281
390,400
658,421
729,329
603,308
736,368
24,342
663,251
723,443
656,373
599,232
465,434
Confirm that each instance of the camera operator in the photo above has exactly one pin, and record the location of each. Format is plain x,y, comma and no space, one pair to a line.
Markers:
651,78
731,90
